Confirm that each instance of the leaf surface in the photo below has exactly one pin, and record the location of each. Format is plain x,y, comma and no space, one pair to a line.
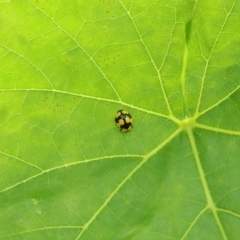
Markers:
66,172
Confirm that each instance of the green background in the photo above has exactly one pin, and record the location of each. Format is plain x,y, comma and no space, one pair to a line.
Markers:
66,67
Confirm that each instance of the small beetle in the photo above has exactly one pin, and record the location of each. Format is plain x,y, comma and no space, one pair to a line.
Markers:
123,120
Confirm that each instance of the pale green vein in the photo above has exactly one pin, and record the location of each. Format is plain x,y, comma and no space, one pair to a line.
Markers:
9,117
193,223
183,72
210,202
22,56
172,118
217,130
169,43
59,152
74,39
40,229
226,194
229,212
219,102
127,178
20,160
150,57
208,59
69,165
185,56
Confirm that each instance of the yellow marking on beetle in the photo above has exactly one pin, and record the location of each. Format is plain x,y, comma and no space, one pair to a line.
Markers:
128,120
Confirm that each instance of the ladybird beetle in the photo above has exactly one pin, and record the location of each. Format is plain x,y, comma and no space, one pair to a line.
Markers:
123,120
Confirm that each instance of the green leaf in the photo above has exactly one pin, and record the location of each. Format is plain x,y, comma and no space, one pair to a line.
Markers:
67,172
